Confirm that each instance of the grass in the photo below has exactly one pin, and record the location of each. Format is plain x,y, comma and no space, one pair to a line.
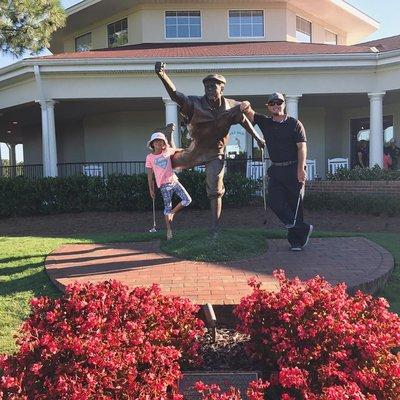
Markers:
22,258
231,244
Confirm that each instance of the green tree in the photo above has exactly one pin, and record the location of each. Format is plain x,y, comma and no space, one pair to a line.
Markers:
28,24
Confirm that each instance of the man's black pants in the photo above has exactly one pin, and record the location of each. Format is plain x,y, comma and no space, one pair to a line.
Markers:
283,194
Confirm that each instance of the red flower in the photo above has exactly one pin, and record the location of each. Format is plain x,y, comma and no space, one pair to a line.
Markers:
319,343
102,341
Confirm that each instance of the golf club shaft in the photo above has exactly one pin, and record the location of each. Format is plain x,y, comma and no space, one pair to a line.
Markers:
154,213
298,204
264,178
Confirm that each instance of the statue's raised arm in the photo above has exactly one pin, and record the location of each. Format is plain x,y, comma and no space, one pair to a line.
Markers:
160,68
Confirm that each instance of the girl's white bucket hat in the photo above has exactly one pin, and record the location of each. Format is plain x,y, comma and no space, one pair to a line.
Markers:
157,135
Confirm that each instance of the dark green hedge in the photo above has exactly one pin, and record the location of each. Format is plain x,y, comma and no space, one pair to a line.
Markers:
353,203
24,196
364,174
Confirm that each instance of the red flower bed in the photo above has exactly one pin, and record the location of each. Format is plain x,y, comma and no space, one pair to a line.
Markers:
102,341
319,343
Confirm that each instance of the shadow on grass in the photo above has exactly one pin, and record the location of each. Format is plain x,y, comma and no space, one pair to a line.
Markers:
12,259
38,283
7,271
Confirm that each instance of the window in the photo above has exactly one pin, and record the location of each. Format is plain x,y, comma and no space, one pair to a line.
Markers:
246,23
117,33
303,30
330,37
83,42
182,24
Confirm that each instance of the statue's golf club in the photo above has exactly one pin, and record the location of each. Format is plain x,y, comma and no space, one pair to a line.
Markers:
153,229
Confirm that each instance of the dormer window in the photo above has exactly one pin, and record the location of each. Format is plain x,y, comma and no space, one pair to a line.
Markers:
303,30
330,37
117,33
182,24
246,23
83,42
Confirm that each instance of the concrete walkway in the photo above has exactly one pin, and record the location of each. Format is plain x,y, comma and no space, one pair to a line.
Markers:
357,261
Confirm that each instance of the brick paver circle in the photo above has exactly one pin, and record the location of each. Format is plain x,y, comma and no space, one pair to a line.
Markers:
355,260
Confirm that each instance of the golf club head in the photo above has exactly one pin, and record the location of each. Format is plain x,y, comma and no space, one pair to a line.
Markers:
153,229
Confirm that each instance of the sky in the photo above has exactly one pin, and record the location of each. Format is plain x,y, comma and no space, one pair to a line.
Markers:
386,12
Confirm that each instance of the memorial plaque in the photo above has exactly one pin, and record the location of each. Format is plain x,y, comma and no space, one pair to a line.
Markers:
239,380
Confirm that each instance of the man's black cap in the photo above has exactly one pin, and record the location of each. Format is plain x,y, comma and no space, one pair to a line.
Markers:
215,77
276,96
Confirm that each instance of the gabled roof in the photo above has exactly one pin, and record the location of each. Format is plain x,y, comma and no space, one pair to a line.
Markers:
384,44
200,50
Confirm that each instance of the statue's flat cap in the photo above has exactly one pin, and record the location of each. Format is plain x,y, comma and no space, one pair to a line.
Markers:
215,77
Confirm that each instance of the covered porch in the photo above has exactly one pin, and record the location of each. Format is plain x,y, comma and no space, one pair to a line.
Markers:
104,136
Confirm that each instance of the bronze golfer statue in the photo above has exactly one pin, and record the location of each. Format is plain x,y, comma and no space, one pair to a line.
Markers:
210,117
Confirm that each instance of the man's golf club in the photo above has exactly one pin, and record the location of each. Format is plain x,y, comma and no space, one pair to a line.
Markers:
298,203
153,229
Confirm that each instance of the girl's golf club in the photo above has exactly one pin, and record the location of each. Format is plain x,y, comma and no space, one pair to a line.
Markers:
153,229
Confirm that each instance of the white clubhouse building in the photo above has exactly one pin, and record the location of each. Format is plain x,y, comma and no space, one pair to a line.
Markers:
97,99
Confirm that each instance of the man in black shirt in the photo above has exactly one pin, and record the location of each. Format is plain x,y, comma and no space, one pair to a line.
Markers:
286,142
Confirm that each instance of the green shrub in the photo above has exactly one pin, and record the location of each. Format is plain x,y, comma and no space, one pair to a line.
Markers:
195,184
25,196
356,203
364,174
239,190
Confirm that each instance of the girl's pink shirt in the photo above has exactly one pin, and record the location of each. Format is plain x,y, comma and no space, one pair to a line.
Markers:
162,166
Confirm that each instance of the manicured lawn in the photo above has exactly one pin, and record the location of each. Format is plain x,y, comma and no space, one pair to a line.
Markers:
22,275
235,244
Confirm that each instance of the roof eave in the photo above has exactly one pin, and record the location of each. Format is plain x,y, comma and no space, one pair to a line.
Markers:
181,64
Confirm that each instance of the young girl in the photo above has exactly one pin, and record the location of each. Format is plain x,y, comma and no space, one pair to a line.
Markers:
158,164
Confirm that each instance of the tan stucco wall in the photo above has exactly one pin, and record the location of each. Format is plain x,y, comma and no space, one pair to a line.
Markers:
32,144
70,146
146,24
70,142
120,136
313,120
337,135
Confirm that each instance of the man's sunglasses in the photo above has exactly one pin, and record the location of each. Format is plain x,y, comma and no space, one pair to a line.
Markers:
275,103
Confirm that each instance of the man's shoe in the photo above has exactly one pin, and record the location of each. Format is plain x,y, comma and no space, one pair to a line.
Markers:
296,248
310,230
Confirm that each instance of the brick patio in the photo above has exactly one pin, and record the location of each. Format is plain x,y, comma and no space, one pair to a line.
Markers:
357,261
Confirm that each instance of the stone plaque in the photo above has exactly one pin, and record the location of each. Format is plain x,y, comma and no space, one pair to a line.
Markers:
239,380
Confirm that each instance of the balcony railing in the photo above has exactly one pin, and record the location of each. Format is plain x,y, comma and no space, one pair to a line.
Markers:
252,168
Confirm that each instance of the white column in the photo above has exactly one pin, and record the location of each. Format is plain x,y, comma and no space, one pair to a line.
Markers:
171,116
292,105
52,138
49,146
376,129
